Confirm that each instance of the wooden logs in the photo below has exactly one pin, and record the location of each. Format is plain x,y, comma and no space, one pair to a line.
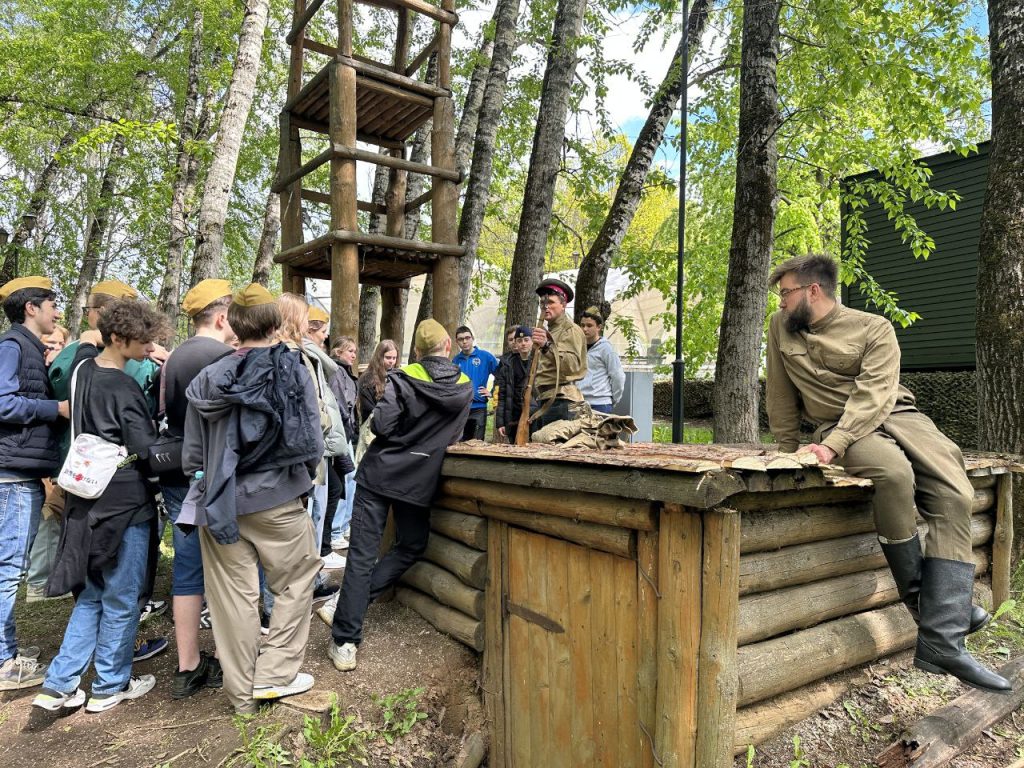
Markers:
344,214
447,620
647,638
775,528
470,565
951,730
591,507
804,563
469,529
768,614
1002,540
775,666
445,588
362,155
606,538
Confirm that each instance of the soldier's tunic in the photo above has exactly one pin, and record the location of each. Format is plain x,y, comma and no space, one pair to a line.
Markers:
566,359
842,375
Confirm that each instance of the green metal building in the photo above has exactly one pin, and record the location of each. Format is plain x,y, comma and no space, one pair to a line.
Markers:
942,289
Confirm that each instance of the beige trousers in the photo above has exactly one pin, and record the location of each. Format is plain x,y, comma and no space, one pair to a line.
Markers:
281,539
916,468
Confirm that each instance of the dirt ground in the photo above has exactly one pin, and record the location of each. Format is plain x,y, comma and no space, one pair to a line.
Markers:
400,652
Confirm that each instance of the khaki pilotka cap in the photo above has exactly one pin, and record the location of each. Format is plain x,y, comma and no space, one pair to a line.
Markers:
114,288
253,295
430,334
318,315
203,294
20,283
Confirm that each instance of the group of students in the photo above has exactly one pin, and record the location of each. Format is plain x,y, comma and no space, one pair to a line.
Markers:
246,435
600,382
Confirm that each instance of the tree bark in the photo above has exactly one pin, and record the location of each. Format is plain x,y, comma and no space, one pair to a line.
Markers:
369,295
486,121
1000,308
424,310
170,289
757,159
593,274
208,259
471,106
538,199
97,230
268,241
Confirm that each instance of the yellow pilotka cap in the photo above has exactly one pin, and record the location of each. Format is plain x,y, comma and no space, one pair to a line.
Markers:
114,288
318,315
253,295
20,283
203,294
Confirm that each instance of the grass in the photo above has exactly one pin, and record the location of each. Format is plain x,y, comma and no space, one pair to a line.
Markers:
693,434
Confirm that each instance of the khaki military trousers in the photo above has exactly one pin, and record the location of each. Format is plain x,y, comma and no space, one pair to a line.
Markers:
916,469
282,539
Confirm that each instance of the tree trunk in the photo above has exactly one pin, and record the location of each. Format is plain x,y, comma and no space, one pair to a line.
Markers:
757,159
170,290
369,295
506,14
538,199
426,302
94,240
36,206
208,259
593,274
471,106
268,241
1000,312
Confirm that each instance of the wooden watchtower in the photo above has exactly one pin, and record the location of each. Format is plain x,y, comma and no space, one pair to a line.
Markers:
354,98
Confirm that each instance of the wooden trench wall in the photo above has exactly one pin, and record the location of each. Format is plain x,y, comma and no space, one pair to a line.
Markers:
630,632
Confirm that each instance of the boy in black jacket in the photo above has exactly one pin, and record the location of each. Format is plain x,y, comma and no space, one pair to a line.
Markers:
423,411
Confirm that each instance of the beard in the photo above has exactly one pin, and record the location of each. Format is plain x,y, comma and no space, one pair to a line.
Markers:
799,318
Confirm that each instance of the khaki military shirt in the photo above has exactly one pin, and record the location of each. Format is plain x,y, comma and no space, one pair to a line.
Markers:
570,345
843,370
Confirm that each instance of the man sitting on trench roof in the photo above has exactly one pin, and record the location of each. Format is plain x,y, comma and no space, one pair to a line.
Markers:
839,369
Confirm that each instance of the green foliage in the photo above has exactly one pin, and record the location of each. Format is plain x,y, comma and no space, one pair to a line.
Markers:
799,757
401,712
260,747
337,744
861,727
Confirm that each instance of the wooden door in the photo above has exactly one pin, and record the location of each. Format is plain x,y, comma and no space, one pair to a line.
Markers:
570,655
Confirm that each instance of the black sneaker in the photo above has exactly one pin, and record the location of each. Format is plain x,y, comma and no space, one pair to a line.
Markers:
264,623
190,681
324,592
215,675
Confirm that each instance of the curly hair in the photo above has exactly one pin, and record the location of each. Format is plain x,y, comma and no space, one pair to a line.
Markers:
131,320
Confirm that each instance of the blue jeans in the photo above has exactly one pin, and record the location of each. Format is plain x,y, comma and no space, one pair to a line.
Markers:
343,517
187,571
20,505
603,408
104,622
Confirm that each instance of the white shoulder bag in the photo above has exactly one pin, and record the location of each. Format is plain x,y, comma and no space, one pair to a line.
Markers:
91,461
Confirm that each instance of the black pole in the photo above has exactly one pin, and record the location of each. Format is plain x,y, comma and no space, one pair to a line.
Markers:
677,364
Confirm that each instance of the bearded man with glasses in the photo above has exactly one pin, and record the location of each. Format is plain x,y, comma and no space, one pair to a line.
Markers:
839,369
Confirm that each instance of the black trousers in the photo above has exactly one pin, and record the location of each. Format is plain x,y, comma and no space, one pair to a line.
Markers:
366,578
559,410
335,493
476,425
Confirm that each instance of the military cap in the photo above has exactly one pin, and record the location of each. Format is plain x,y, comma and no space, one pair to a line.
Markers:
553,286
114,288
203,294
522,332
317,315
20,283
253,295
430,334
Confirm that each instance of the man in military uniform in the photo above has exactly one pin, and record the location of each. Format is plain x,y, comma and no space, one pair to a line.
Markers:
563,356
839,369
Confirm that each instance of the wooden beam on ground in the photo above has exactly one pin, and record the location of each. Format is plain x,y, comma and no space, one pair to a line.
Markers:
445,588
948,732
468,564
1002,541
463,628
470,529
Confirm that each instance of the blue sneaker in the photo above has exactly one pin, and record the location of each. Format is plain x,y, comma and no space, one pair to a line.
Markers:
147,649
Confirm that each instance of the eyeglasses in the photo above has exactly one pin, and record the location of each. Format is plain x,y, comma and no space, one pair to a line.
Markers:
87,307
782,293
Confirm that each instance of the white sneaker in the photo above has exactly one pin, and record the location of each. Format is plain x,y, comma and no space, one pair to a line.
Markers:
326,611
137,686
52,700
334,562
21,672
343,656
340,543
300,684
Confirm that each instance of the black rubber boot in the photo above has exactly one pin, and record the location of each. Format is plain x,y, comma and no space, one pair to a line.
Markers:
945,607
905,561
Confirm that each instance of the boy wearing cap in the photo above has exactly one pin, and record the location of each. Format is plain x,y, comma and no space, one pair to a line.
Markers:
563,356
515,373
423,411
252,447
207,307
29,451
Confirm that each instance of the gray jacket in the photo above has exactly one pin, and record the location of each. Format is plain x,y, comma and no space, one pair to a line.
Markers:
605,378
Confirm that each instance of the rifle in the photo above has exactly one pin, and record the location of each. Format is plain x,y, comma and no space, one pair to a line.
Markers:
523,429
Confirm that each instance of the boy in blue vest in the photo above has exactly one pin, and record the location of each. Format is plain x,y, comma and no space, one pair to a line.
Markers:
28,452
479,365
